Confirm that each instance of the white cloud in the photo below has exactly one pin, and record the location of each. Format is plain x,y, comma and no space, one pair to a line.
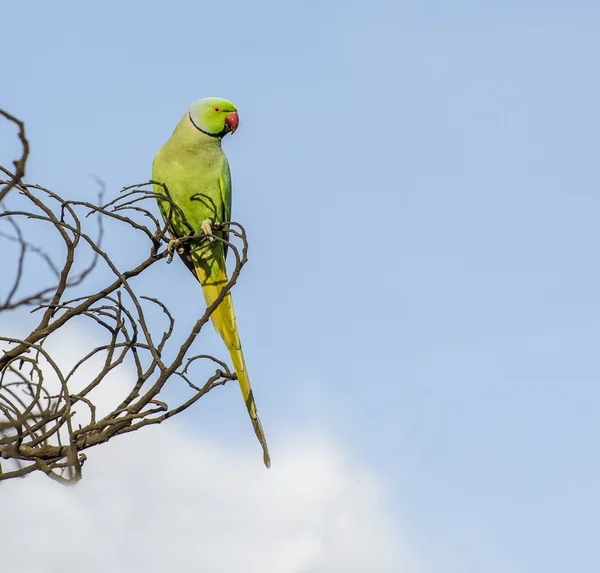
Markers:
165,500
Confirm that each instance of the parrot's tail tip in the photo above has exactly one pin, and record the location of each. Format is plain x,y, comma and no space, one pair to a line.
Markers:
261,438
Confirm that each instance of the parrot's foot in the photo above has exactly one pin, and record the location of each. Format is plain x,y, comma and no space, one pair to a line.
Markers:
173,245
207,229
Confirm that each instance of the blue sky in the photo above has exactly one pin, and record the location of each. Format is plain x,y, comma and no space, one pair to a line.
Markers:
418,182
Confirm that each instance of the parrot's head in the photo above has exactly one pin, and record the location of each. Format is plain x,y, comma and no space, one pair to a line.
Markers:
214,116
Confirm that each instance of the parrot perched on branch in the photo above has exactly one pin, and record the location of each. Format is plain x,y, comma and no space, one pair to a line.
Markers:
195,171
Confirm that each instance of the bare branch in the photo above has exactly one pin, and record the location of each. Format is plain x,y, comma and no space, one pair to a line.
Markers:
49,410
19,164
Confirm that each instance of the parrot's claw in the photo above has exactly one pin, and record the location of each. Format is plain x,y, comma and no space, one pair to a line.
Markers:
173,245
207,229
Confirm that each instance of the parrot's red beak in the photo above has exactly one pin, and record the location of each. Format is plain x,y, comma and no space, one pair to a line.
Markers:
232,120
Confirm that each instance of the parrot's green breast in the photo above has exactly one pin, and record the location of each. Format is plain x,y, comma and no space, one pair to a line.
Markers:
194,182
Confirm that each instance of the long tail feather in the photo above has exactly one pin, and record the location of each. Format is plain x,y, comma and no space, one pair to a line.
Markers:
224,321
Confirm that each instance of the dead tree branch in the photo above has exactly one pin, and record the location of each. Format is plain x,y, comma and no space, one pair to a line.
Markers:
50,412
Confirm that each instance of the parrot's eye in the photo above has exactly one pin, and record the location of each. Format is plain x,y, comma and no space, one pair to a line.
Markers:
217,108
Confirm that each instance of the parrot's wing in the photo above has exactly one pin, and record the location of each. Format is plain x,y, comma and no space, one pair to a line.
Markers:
225,185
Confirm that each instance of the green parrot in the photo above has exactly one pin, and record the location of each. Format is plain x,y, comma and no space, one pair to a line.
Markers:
195,170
